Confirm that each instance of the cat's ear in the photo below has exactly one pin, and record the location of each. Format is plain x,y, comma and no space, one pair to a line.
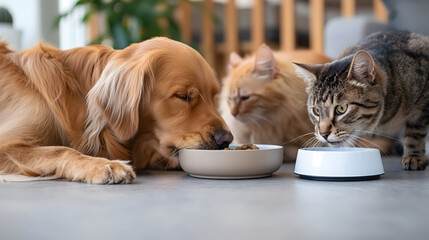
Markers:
308,73
265,63
234,60
362,67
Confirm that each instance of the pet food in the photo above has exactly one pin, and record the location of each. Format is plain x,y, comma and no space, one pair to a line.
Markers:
244,147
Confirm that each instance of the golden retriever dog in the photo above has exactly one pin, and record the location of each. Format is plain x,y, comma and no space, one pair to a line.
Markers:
77,114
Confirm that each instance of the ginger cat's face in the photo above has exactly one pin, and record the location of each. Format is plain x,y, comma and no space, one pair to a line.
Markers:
247,86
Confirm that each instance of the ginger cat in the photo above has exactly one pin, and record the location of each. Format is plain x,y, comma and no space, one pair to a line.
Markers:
263,101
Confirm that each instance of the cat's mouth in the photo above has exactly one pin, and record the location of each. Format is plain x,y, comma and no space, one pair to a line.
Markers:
336,140
331,142
340,142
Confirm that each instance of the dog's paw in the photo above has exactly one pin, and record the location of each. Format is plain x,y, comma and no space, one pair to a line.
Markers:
111,172
414,163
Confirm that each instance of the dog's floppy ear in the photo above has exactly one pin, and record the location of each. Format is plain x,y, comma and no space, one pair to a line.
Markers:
118,92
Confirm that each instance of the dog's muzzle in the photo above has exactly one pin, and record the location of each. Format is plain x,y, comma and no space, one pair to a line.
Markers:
222,139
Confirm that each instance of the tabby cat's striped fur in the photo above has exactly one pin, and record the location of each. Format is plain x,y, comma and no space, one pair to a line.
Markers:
381,84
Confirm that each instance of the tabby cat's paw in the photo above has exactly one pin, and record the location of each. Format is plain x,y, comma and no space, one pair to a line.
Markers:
414,163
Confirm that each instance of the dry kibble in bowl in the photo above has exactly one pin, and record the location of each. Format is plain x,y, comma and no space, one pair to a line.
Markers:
253,146
244,147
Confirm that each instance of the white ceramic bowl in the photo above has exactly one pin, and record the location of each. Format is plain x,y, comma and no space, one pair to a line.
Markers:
328,163
232,164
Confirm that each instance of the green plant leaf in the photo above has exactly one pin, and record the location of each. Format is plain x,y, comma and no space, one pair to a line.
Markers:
119,36
133,20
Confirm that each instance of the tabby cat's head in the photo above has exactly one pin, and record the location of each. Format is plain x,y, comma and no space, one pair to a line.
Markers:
345,97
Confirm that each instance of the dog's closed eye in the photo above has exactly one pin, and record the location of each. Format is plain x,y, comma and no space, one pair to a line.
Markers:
183,96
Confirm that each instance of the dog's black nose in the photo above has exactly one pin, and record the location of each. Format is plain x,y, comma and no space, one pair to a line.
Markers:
223,138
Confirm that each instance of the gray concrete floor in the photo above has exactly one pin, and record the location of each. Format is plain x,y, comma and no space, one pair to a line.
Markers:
172,205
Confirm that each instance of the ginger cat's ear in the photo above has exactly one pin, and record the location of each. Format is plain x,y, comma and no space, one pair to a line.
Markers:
362,67
265,63
308,73
234,60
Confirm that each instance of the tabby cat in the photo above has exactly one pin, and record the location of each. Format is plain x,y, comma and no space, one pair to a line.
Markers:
263,101
381,84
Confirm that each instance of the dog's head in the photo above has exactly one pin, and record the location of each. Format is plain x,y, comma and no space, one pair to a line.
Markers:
164,88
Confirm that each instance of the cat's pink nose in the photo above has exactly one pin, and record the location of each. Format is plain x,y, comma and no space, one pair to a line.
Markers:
234,112
325,134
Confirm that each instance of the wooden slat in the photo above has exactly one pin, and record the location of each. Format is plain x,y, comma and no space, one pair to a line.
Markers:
94,27
287,25
348,8
207,30
317,22
231,27
258,24
380,11
185,21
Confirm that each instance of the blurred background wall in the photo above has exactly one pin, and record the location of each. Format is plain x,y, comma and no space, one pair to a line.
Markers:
213,27
34,19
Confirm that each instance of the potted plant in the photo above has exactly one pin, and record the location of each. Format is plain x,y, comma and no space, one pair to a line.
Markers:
130,21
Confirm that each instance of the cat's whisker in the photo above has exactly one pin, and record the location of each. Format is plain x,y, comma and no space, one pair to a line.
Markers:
311,143
262,118
361,140
298,138
322,144
318,143
352,141
314,142
342,144
350,144
373,143
362,143
305,144
378,134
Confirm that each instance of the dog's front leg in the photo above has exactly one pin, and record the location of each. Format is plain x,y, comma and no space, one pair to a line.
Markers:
62,162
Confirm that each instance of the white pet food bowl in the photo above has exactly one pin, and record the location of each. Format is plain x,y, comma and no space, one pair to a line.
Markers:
232,164
339,164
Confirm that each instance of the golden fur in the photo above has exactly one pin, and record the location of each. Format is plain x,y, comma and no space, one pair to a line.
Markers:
69,114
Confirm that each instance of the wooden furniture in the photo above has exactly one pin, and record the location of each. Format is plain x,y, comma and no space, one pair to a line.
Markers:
210,49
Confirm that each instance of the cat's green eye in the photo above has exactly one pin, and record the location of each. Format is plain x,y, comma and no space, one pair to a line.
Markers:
341,109
316,111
